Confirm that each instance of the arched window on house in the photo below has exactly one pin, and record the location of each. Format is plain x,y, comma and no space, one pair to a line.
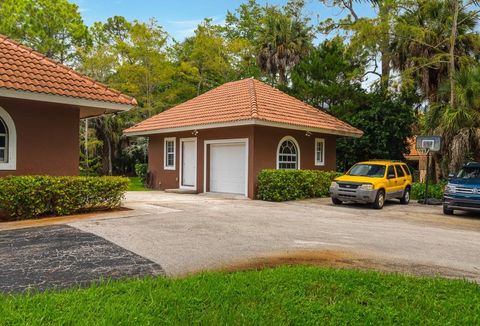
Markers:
3,142
8,142
288,154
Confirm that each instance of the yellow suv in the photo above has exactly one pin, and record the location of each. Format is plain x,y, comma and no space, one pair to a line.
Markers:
373,182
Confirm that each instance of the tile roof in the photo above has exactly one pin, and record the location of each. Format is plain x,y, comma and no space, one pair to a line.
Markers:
22,69
245,100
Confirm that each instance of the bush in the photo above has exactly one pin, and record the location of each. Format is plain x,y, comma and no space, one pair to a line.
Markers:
141,171
434,190
31,196
282,185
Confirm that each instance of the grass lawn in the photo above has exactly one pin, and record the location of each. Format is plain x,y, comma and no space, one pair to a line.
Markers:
136,185
285,295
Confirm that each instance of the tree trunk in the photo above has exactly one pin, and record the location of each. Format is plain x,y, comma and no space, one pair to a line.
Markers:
453,39
109,147
385,44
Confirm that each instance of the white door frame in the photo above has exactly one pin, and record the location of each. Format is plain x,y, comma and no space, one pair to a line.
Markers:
182,140
225,141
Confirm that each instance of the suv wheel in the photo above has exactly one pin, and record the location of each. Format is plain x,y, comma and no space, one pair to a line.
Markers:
379,199
336,201
406,196
447,211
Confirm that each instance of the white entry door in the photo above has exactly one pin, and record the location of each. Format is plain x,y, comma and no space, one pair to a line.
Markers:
228,168
188,178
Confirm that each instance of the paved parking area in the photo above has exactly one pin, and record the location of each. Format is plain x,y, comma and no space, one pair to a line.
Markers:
61,256
189,233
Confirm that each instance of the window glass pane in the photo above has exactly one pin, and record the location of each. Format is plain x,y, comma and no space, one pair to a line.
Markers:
391,171
3,141
3,128
319,152
287,155
400,172
407,170
2,155
170,153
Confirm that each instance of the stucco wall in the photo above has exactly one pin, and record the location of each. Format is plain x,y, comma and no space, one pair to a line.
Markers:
47,137
263,143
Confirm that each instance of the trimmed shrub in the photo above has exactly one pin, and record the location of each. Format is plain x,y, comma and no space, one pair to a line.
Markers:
434,190
141,171
25,197
282,185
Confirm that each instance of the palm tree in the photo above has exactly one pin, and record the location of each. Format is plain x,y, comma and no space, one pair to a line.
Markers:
459,125
284,41
423,47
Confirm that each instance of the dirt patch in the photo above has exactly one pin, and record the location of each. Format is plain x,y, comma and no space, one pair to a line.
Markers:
50,220
345,259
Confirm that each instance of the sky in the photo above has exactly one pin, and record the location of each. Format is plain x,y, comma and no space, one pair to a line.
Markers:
180,17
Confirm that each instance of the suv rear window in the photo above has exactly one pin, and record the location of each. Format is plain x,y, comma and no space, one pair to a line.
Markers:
406,169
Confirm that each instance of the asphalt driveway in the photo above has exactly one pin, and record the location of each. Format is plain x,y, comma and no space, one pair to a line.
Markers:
190,233
61,256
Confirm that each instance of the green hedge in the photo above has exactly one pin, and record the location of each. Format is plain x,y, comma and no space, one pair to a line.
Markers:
31,196
434,190
282,185
141,170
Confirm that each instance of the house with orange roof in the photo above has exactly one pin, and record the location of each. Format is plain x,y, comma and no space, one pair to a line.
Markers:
41,104
220,140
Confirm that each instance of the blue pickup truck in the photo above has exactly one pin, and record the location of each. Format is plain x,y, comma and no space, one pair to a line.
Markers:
463,190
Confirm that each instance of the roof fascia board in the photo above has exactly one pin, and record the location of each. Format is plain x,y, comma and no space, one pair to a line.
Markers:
243,123
51,98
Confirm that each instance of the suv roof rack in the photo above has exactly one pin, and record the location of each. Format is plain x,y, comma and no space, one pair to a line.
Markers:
385,160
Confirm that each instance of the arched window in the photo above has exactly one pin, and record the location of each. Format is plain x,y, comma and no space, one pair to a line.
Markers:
3,142
288,154
8,142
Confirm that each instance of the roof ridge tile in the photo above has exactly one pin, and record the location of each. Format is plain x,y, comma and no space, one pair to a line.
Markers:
253,98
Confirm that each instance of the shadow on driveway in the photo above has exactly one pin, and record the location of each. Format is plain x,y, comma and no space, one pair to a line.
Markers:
61,256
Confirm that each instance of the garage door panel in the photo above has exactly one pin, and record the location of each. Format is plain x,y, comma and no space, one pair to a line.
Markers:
227,168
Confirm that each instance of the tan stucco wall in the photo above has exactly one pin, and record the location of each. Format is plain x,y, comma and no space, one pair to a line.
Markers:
47,137
263,143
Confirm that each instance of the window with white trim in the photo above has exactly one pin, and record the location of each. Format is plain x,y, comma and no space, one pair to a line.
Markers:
319,151
169,157
8,142
288,154
3,142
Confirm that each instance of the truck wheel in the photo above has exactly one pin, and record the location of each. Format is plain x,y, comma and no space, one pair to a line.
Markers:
406,197
379,199
447,211
336,201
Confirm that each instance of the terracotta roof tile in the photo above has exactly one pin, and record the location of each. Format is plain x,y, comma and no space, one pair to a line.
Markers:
246,99
23,69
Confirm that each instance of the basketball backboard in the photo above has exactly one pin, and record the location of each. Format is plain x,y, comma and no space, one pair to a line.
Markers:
429,143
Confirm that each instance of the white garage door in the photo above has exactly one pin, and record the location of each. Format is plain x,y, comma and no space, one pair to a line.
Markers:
227,168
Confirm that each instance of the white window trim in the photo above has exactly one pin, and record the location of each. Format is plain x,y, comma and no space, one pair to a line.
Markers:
11,165
165,140
278,149
322,162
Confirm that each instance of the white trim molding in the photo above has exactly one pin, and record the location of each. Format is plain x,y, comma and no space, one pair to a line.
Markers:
322,161
294,141
180,147
51,98
165,158
225,141
11,163
243,123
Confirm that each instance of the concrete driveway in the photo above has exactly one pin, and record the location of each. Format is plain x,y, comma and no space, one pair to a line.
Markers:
189,233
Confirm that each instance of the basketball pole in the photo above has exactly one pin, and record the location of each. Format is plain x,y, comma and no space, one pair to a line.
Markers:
426,177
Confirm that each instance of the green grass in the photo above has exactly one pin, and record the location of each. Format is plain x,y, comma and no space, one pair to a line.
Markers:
285,295
136,185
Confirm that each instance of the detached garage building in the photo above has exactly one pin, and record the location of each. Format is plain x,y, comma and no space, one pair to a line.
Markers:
221,140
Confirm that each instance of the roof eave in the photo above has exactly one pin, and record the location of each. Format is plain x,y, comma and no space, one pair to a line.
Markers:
243,123
107,107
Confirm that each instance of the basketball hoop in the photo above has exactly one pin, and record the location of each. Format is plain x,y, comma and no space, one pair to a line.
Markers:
426,145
